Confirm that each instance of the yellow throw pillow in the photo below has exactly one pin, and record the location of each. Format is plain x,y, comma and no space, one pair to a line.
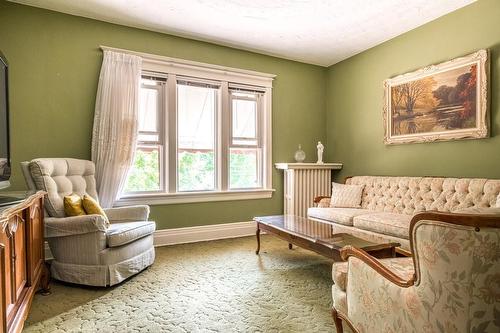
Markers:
91,206
73,205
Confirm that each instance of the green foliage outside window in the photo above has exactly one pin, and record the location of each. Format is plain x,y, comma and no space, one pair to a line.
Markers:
243,171
196,171
145,172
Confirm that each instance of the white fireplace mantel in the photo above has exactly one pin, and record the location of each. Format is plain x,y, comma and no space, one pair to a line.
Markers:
316,166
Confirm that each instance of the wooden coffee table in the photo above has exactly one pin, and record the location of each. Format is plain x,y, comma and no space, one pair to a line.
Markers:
318,237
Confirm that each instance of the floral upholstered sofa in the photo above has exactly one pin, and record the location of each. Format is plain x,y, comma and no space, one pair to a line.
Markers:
388,204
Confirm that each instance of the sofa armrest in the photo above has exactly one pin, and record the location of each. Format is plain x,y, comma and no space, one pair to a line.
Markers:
128,214
350,251
74,225
322,201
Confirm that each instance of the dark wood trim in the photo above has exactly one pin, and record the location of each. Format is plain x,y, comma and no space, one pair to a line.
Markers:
403,252
319,198
340,319
347,178
350,251
469,220
257,234
337,321
3,292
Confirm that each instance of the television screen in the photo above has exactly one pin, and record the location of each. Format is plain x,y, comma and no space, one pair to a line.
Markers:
4,125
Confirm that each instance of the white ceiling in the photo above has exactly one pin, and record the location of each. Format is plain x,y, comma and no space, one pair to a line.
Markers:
321,32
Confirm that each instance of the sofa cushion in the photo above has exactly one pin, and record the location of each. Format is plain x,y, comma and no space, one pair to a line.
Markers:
392,224
119,234
403,267
338,215
346,196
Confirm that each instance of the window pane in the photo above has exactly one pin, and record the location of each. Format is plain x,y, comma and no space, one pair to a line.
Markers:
148,137
244,118
145,172
196,109
148,109
244,166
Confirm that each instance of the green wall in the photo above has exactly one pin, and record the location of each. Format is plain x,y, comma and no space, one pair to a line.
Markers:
55,62
54,65
355,93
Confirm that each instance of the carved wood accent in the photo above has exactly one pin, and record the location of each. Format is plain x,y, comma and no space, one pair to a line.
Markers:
339,319
350,251
22,261
319,198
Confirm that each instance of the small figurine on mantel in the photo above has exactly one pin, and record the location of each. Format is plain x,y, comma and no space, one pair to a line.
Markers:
320,152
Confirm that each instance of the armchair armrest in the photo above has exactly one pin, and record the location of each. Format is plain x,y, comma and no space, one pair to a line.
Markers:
127,214
350,251
74,225
322,201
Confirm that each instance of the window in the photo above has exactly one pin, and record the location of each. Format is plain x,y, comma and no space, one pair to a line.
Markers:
196,113
245,147
145,174
202,136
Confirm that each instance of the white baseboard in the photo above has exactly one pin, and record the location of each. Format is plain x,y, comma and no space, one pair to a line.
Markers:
194,234
203,233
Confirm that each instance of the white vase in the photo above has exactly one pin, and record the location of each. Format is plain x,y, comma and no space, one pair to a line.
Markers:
300,155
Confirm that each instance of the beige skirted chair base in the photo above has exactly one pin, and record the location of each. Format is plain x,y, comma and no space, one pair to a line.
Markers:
88,249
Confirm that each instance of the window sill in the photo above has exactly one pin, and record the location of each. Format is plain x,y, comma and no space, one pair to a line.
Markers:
190,197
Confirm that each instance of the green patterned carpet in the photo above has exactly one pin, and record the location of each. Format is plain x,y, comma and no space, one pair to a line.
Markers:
218,286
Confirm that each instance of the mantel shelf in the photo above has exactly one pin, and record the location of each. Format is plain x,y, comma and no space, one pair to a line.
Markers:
315,166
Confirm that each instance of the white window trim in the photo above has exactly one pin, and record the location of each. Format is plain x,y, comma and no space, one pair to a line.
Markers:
227,75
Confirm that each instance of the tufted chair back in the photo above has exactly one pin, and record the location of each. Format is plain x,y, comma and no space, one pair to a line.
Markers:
409,195
60,177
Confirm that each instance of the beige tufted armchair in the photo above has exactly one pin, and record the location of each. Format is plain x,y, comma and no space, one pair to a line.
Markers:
451,284
87,250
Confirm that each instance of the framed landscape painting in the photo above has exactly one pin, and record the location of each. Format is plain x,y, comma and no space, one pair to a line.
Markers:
448,101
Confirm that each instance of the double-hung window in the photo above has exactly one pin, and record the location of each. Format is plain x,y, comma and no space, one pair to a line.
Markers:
204,135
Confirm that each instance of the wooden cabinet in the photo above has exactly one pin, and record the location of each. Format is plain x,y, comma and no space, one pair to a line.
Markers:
22,262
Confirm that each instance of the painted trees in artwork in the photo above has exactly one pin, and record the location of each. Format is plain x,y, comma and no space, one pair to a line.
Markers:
463,94
405,97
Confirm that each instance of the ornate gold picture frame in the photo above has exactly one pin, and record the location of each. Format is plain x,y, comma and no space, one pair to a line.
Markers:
448,101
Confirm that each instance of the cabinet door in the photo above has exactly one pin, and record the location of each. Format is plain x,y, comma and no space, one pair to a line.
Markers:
3,310
20,276
34,223
8,269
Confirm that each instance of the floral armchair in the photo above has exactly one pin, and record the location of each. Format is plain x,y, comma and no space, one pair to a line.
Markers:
451,284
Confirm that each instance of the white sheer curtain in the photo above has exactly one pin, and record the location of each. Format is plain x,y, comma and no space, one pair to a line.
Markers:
114,136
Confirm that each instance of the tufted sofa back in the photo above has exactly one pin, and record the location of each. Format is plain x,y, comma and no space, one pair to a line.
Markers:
409,195
60,177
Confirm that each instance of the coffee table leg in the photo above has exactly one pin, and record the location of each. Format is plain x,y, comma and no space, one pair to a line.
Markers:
290,246
257,233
